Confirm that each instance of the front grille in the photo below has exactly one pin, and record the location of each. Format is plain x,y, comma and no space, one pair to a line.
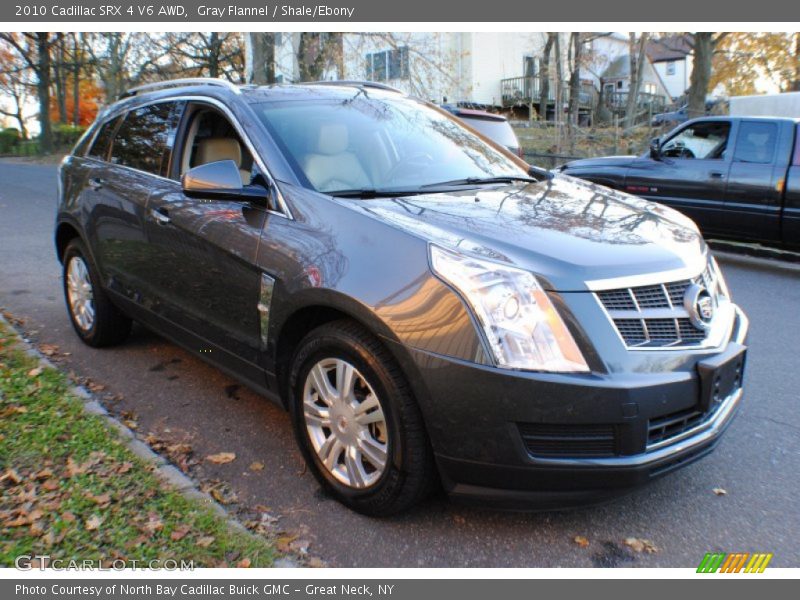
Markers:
653,316
564,441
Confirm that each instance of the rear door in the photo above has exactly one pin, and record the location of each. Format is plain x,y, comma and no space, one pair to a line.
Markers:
139,159
692,173
756,180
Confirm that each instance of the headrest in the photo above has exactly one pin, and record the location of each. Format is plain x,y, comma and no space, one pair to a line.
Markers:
332,139
219,148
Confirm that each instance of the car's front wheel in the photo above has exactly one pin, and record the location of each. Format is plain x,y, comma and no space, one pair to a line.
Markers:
358,426
95,319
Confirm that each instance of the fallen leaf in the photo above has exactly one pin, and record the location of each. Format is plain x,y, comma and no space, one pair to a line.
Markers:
244,563
221,458
95,387
48,349
720,491
300,546
282,543
154,523
257,466
68,517
124,468
179,533
101,499
51,485
93,522
316,563
44,474
641,545
35,372
11,475
205,542
581,541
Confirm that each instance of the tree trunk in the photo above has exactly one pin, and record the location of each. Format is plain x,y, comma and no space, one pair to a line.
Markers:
43,88
261,58
796,82
638,57
544,76
214,51
60,80
76,80
704,43
575,78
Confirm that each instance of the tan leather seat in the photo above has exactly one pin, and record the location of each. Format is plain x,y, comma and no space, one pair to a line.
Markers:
331,167
221,148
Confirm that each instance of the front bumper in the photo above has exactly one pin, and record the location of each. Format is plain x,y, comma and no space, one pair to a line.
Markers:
480,421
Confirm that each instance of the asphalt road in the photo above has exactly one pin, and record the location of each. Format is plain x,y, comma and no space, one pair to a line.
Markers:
178,398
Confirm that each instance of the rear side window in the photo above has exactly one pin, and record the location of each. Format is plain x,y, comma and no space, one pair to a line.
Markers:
102,140
756,142
145,138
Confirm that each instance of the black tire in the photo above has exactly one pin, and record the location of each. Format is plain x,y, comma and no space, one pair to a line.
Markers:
109,326
410,473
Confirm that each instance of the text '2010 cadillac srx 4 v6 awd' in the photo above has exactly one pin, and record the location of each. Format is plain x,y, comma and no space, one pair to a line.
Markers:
429,308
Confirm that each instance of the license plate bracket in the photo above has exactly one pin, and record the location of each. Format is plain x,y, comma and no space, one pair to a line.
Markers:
721,376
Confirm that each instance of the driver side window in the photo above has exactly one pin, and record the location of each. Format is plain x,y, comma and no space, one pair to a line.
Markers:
700,141
210,137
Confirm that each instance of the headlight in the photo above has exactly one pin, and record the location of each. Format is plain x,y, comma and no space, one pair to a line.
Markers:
521,325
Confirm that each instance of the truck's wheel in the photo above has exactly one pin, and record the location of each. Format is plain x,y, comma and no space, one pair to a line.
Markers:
356,422
95,319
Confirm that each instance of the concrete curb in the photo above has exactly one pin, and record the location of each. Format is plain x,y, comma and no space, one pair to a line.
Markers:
164,470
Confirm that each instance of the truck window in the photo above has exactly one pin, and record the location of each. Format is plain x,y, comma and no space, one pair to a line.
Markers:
704,140
756,142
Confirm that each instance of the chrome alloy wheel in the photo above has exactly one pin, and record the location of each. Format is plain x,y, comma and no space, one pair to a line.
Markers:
80,293
345,423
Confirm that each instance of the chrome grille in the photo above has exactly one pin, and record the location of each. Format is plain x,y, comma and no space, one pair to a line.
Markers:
653,316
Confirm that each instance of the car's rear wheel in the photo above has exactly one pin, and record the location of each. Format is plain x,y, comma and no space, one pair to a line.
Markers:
95,319
358,426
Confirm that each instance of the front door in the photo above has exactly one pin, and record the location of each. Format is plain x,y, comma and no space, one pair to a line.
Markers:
691,175
209,283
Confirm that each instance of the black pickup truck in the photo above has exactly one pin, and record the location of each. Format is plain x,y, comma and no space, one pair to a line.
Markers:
737,177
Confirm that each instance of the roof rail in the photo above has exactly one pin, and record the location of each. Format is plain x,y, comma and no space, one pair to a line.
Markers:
149,87
356,83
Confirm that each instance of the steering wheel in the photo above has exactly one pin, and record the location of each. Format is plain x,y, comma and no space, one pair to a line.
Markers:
411,163
679,152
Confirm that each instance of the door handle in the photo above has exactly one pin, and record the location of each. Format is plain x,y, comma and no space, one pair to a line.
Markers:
161,215
715,175
96,183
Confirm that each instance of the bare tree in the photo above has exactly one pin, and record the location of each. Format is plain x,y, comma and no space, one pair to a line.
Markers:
576,50
34,50
637,53
15,84
544,76
260,58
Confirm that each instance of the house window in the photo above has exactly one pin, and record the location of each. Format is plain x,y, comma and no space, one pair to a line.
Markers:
671,67
388,64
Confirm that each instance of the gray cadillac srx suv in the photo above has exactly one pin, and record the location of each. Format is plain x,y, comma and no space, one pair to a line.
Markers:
429,308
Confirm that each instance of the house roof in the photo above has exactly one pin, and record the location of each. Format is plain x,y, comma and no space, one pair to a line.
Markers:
673,47
620,68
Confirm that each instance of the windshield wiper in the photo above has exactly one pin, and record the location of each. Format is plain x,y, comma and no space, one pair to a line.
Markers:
480,181
367,193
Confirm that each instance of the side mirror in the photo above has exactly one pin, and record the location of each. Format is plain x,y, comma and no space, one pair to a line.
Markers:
219,179
655,149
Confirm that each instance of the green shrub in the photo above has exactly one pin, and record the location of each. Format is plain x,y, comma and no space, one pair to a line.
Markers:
9,138
65,136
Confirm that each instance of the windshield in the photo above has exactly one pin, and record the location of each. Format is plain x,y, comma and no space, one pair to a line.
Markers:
379,142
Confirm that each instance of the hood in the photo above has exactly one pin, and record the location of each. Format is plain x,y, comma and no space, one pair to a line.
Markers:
565,230
605,161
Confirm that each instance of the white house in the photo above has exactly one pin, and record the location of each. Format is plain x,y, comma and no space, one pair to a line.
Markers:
671,56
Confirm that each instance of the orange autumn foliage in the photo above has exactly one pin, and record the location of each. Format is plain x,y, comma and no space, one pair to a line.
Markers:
90,98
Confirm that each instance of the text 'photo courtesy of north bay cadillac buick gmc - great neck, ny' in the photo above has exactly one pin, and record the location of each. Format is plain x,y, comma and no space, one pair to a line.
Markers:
429,308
